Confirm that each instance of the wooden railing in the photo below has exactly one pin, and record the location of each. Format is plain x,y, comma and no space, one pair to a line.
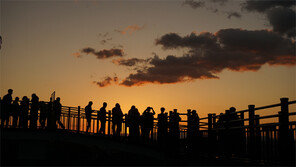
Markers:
272,141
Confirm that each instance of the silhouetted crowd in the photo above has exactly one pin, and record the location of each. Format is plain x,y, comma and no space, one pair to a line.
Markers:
27,112
24,113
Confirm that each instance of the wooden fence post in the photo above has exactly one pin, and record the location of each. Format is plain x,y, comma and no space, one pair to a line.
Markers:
243,133
109,122
98,121
251,143
69,118
78,120
257,137
125,127
189,130
284,150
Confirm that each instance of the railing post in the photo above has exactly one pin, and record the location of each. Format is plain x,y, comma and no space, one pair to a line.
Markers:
125,127
69,118
78,120
210,122
243,132
98,121
284,150
109,122
251,148
257,137
189,126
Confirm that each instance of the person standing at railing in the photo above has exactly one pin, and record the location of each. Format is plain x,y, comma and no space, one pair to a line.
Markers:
117,118
88,111
193,125
15,112
34,111
162,125
102,118
6,104
24,112
175,125
57,107
147,122
133,122
43,114
51,118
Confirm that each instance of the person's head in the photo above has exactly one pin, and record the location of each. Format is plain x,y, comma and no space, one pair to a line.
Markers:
90,103
232,110
193,111
104,104
58,99
24,98
10,91
34,95
17,99
117,105
133,107
162,109
175,111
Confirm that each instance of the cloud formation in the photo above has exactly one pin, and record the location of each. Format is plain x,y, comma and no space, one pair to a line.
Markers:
103,54
210,54
106,82
130,29
194,4
128,62
264,5
233,14
282,20
278,12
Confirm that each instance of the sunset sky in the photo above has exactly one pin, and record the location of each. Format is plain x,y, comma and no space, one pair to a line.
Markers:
203,55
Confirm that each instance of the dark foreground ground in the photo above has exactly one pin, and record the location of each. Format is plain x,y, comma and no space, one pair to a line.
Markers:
43,148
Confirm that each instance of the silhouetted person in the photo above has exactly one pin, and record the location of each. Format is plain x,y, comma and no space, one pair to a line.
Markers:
102,118
88,110
34,111
6,102
147,122
51,117
162,125
117,120
175,120
15,112
133,122
43,114
24,112
57,107
193,124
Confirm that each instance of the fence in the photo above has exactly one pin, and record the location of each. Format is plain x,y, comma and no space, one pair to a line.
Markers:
245,130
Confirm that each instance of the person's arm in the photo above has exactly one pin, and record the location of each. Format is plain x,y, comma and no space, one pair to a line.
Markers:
153,111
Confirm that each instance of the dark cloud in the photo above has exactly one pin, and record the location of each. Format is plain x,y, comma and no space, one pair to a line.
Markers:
233,14
128,62
0,42
282,20
103,54
264,5
106,82
194,4
210,54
